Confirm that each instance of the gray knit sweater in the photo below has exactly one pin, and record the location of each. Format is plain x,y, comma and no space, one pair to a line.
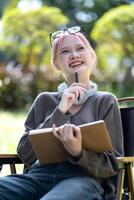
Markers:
100,106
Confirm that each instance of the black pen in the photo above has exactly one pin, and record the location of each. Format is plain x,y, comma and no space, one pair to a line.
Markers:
77,81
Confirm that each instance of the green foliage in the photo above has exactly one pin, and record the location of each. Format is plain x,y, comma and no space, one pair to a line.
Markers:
3,4
84,12
12,127
25,39
26,34
114,35
118,23
24,45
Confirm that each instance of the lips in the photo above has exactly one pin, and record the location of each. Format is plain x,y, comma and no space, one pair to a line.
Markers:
75,64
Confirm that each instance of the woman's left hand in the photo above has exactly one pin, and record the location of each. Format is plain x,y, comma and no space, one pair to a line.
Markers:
70,136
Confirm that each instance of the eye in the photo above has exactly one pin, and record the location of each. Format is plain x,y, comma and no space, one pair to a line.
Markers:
80,48
64,51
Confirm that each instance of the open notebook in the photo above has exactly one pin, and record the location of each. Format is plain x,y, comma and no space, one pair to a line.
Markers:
48,149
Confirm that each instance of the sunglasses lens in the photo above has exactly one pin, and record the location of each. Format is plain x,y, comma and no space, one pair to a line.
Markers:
74,29
56,34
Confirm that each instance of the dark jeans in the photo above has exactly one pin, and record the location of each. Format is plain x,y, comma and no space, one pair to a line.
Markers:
62,181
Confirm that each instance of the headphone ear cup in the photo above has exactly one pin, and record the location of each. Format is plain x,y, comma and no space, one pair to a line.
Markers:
61,88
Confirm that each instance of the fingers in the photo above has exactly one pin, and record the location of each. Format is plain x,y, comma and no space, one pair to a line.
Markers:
73,91
54,130
70,136
70,95
78,89
76,131
62,132
66,132
57,131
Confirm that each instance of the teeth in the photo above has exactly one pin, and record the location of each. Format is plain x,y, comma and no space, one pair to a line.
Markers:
75,64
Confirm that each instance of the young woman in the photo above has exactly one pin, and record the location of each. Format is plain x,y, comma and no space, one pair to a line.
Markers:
86,174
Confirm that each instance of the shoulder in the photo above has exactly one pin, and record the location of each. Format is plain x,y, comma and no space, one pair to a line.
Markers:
106,105
103,99
106,96
46,98
46,95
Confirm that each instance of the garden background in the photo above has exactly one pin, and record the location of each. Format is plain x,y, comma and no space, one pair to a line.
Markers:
25,66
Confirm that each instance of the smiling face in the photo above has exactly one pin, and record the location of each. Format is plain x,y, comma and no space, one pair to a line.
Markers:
72,52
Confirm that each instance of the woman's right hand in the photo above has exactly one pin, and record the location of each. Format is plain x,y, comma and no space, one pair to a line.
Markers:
69,96
70,136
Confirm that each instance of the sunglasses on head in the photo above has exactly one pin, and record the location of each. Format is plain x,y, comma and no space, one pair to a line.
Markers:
71,30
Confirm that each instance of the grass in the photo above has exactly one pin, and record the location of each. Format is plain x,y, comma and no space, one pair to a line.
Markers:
11,129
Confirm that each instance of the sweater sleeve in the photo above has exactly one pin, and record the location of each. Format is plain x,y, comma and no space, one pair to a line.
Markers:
102,165
38,119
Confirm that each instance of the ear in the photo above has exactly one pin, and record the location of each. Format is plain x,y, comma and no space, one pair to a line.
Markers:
94,59
56,65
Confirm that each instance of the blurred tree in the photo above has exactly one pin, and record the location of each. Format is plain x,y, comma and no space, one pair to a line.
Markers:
25,39
7,5
25,34
84,12
3,4
114,35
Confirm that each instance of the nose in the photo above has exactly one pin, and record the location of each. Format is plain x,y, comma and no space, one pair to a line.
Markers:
74,54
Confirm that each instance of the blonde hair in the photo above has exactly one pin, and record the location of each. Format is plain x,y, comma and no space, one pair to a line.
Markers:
58,41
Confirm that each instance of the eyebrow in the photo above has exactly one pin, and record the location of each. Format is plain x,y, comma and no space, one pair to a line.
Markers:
77,45
64,48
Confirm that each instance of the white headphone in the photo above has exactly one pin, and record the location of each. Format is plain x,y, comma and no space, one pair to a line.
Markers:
92,91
